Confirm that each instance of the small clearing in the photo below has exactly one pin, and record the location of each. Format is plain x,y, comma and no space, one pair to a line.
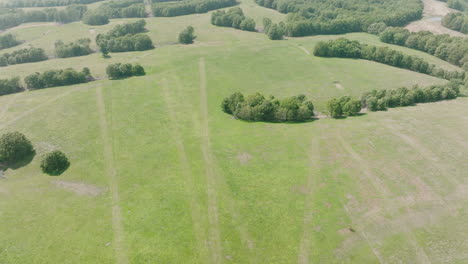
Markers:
79,188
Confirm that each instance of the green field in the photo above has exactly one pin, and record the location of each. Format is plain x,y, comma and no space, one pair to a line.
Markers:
159,174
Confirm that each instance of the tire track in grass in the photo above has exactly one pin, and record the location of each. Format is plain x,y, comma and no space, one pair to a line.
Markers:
187,171
7,106
117,226
384,193
213,214
305,244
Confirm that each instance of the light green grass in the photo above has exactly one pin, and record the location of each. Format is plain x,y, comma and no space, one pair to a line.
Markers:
283,193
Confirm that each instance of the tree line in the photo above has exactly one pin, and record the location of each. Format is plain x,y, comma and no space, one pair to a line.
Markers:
124,70
461,5
272,30
456,21
43,3
15,17
114,9
343,106
450,49
53,78
9,86
314,17
344,48
233,17
186,7
127,37
79,47
8,40
257,107
22,56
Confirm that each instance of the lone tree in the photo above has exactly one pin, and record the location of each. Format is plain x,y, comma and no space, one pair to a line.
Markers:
14,147
55,163
187,36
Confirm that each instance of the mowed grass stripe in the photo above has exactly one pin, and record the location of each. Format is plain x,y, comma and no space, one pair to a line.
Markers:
120,251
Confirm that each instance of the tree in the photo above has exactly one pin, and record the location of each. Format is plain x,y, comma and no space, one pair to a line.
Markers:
334,108
138,70
54,163
95,19
14,147
274,32
187,36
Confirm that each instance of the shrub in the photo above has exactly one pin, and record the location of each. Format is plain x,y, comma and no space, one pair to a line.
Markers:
8,41
187,36
344,106
14,147
124,38
94,19
73,49
54,163
124,70
9,86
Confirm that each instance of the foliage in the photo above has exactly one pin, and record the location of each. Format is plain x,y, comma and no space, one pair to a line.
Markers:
451,49
43,3
456,21
95,19
53,78
122,9
73,49
9,86
54,163
124,70
376,28
344,106
234,17
123,38
187,7
14,147
22,56
8,41
256,107
313,17
187,36
344,48
128,28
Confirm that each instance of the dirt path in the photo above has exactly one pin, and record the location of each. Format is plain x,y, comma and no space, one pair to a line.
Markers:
433,13
305,244
7,106
149,10
214,230
187,172
117,226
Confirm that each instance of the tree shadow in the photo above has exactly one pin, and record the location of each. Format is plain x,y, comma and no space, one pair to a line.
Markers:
19,164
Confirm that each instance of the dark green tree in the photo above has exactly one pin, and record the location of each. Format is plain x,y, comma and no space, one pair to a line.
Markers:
187,35
14,147
54,163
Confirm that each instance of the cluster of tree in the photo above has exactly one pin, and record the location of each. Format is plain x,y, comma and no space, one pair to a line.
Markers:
8,41
344,48
187,7
53,78
54,163
22,56
313,17
272,30
9,86
376,28
43,3
93,18
234,17
187,35
15,17
256,107
456,21
461,5
126,37
122,9
73,49
124,70
344,106
451,49
382,99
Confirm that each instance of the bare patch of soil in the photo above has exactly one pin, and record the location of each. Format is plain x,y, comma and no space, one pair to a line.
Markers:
92,31
79,188
244,158
300,189
338,85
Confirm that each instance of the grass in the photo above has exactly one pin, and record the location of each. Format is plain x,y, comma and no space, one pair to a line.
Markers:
397,178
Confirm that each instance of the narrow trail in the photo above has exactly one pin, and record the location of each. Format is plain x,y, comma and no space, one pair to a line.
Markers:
117,226
149,10
7,106
305,244
385,195
187,172
213,214
304,49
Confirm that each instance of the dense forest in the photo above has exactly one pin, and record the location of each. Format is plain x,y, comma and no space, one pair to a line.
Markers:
43,3
9,86
451,49
233,17
53,78
256,107
313,17
73,49
344,48
187,7
8,41
126,37
23,56
15,17
456,21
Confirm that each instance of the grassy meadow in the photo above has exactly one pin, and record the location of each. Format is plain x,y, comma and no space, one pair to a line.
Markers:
159,174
